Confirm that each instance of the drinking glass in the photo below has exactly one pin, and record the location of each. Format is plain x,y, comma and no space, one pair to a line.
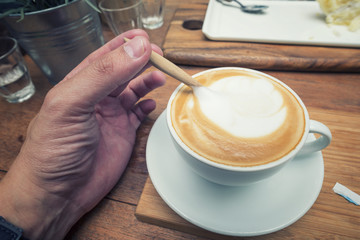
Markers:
122,16
152,13
15,81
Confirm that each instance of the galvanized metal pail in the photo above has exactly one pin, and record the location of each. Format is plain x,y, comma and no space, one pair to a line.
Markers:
59,38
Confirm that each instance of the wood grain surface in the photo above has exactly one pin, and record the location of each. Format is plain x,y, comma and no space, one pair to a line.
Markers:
332,98
186,44
335,218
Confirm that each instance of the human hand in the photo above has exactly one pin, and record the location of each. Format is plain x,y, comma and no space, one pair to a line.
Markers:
80,142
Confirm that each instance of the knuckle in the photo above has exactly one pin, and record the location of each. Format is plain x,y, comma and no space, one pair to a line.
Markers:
52,102
104,65
57,101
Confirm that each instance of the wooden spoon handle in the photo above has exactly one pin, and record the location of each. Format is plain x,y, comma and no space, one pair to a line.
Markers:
171,69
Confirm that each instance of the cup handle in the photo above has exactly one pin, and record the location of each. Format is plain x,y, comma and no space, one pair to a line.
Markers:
320,143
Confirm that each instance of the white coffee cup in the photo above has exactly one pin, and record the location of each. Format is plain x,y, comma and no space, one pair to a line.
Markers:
242,175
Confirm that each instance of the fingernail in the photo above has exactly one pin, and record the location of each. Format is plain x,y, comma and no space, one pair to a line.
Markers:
135,48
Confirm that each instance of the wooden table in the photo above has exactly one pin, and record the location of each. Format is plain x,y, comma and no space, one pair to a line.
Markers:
332,98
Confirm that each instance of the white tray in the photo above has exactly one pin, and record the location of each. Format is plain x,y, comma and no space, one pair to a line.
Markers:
290,22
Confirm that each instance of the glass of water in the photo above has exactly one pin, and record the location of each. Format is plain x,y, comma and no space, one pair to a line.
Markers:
15,82
123,15
152,14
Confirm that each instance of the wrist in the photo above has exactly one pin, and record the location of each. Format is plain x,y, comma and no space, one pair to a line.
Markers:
9,231
40,214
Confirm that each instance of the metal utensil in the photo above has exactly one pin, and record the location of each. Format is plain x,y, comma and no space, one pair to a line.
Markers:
245,8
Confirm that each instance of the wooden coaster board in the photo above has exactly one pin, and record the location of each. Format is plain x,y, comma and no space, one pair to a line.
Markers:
152,209
186,44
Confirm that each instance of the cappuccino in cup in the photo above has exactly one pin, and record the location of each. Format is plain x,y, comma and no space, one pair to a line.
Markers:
239,118
242,127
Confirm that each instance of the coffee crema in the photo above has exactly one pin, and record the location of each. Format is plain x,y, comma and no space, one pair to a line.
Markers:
242,118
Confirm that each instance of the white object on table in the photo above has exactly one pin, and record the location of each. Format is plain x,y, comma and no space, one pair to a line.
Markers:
347,193
287,22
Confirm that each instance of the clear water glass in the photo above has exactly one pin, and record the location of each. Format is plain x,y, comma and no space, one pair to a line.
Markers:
122,16
15,81
152,15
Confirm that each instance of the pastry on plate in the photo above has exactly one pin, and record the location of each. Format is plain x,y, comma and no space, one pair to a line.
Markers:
342,12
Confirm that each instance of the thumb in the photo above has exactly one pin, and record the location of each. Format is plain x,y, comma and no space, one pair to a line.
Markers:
109,72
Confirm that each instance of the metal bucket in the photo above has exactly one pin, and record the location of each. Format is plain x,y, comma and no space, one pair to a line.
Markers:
58,39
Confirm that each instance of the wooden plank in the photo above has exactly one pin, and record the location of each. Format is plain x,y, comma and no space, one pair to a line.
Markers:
115,220
148,210
191,47
331,222
152,209
14,118
334,216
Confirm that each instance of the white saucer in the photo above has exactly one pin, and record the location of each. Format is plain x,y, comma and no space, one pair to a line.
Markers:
253,210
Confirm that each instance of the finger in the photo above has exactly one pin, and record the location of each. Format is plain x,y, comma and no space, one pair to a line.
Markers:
157,49
141,86
106,74
140,111
116,92
108,47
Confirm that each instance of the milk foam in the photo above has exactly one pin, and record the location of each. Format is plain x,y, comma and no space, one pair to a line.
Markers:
242,106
